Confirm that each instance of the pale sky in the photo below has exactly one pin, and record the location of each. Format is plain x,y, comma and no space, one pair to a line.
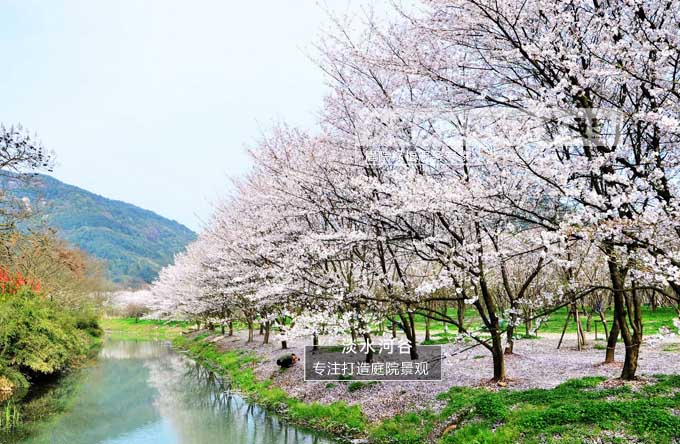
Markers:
153,101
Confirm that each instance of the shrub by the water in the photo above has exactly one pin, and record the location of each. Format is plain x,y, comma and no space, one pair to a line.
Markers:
39,338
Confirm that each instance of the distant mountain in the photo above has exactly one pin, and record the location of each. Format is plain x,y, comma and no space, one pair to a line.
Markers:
136,243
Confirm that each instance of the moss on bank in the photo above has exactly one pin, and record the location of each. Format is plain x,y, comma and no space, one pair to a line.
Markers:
338,418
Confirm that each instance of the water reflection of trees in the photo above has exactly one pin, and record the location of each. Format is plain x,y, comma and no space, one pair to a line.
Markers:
134,350
146,393
113,400
202,409
210,391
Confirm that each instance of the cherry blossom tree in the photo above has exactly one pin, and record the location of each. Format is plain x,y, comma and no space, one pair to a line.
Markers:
507,157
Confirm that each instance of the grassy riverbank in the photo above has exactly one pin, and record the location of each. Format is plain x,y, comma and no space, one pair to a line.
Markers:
53,395
337,418
41,342
131,329
591,409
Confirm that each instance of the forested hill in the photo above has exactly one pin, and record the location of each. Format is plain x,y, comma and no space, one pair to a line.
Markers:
136,243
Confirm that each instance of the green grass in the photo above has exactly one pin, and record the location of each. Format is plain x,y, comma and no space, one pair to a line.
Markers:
130,329
10,417
337,418
471,319
662,317
441,338
409,428
576,411
358,385
672,348
653,321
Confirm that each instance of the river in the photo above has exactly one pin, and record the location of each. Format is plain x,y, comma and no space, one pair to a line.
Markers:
146,393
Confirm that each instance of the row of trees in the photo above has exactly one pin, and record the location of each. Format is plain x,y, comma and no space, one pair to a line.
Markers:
512,156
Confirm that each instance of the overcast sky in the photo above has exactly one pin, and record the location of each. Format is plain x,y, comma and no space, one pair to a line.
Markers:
153,101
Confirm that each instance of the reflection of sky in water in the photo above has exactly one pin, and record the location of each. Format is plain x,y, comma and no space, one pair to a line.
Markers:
157,432
144,393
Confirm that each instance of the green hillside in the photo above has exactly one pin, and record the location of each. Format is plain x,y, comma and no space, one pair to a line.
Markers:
136,243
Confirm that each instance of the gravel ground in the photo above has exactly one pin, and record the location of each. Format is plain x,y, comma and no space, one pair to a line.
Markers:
536,364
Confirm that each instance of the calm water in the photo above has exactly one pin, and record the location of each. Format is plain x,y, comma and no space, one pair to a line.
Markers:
144,393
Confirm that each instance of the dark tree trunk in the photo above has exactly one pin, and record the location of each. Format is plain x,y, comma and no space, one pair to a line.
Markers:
612,338
231,328
509,337
427,329
410,332
369,348
627,308
630,363
284,345
498,359
250,331
580,335
315,342
267,329
460,314
603,318
564,329
486,303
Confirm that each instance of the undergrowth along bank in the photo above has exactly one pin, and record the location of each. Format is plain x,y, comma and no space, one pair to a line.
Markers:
591,409
337,418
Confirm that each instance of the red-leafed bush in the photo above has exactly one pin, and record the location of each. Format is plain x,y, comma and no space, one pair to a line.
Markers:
11,283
